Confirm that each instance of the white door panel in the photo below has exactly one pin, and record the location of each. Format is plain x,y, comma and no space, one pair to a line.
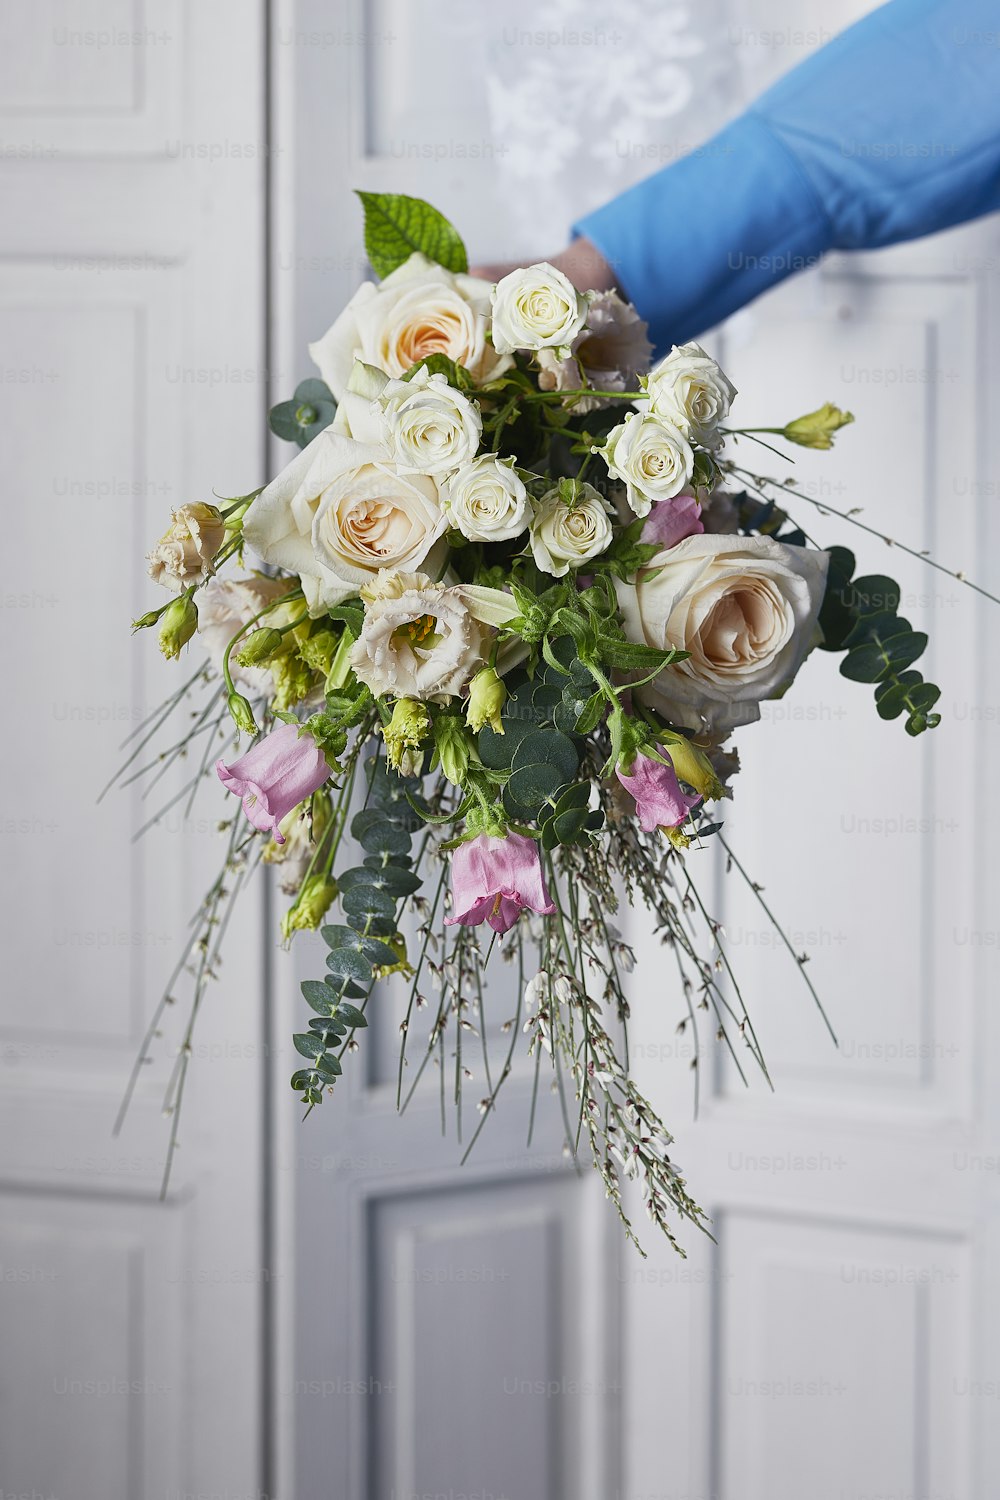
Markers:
131,279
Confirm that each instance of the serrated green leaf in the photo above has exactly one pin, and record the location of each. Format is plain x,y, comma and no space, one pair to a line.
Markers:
396,226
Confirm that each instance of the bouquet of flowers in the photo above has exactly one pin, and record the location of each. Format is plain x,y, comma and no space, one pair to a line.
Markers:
491,630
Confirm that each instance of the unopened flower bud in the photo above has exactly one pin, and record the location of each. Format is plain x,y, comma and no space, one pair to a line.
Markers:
406,730
152,617
487,696
816,428
242,713
692,765
314,901
259,647
452,745
177,625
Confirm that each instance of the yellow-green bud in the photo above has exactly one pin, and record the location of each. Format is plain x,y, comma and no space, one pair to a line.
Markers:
311,906
242,713
487,696
692,765
152,617
318,650
293,681
259,647
453,748
406,730
397,943
816,428
178,625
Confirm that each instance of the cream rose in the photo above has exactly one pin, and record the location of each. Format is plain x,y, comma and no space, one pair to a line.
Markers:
567,534
339,512
429,426
486,500
689,390
745,607
424,640
418,310
651,456
185,553
537,307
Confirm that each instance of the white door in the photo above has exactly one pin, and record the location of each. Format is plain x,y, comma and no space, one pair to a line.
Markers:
134,369
482,1329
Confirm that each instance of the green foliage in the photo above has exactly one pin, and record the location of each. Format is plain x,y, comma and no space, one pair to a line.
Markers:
360,945
859,616
440,364
396,226
310,410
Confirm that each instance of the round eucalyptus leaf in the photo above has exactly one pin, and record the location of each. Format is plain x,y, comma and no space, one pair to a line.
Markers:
367,900
349,963
535,784
549,748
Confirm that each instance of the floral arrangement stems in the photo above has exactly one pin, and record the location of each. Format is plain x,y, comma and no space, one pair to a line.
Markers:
512,597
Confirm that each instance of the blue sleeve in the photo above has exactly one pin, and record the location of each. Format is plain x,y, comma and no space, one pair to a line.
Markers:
889,132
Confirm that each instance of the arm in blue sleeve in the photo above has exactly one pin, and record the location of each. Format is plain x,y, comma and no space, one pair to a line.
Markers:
889,132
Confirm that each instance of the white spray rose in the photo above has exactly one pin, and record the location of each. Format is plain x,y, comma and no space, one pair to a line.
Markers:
537,307
419,309
745,607
654,460
567,534
339,512
424,640
430,427
486,500
689,390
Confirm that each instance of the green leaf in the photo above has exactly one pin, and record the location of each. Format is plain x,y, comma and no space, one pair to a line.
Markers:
591,714
386,878
328,1027
329,1066
875,594
319,996
532,785
440,364
549,748
627,656
308,1044
368,901
351,1016
350,964
396,226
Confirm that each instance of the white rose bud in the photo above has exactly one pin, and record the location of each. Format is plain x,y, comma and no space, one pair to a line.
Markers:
185,553
745,608
486,500
571,526
689,390
536,308
651,456
430,427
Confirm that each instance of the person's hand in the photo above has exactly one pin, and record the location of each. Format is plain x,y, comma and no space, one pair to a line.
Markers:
582,262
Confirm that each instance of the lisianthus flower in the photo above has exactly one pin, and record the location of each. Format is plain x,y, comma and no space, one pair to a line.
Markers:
494,879
670,521
274,776
659,801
